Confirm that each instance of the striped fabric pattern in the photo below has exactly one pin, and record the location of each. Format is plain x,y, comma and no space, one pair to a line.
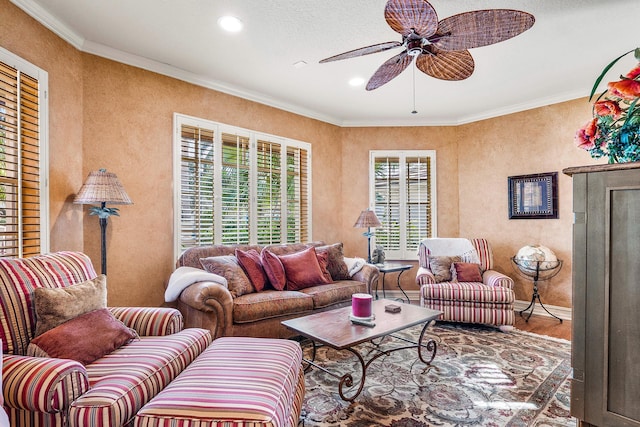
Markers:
33,384
490,302
468,291
150,321
123,381
19,277
472,312
494,278
238,382
484,253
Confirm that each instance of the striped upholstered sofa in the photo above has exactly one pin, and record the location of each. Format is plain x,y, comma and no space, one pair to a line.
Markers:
45,391
487,299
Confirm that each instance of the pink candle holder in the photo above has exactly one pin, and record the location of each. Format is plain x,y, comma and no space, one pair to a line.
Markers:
361,305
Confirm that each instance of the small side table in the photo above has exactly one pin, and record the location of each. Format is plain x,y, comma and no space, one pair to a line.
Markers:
393,268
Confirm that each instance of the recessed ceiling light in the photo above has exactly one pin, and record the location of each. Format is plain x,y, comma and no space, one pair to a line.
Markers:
356,81
230,23
299,64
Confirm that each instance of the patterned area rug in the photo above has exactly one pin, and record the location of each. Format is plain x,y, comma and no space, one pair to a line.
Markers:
479,377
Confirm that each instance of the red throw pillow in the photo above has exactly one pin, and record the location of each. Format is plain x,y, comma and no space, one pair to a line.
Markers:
85,338
274,270
302,269
467,272
252,266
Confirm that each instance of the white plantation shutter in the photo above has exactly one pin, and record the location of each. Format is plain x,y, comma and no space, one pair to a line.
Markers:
234,201
235,186
297,196
196,183
269,192
22,160
403,197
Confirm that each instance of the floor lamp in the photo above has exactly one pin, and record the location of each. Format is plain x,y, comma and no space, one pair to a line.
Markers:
368,219
102,187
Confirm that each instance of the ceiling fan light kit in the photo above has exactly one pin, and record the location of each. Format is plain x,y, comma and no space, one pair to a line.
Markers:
440,48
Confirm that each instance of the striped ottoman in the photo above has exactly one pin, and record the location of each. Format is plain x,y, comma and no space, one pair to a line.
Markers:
236,381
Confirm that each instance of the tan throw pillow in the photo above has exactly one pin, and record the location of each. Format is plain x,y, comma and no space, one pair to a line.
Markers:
336,265
86,338
55,306
228,267
441,267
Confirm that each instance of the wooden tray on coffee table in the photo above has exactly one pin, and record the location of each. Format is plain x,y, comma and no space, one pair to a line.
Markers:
334,329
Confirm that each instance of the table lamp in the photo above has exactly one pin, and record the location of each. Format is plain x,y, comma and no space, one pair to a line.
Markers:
368,219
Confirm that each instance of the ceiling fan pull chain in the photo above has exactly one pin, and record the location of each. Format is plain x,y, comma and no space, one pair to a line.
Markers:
414,90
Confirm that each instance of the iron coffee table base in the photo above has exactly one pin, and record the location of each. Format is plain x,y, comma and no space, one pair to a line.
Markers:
347,381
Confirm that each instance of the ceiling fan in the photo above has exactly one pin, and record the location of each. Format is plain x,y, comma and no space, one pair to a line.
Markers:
440,48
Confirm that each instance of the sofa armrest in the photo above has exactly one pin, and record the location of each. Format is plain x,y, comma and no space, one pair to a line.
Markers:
494,278
368,274
150,321
40,384
424,276
207,305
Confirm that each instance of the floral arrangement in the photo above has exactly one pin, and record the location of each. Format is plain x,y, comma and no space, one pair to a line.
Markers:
614,130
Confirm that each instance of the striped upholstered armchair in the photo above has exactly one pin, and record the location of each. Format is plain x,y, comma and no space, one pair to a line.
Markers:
456,276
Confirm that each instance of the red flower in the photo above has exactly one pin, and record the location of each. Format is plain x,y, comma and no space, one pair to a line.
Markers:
625,88
634,73
586,135
607,108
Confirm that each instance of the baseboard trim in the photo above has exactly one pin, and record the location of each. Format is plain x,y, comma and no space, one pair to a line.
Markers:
563,313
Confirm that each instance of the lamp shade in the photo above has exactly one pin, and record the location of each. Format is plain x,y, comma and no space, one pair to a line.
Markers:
102,187
367,219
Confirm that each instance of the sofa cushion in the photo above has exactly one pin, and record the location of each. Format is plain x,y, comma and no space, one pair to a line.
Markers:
302,269
85,338
55,306
334,293
466,272
271,303
252,266
18,280
274,269
441,267
336,266
227,266
323,261
229,386
467,291
123,381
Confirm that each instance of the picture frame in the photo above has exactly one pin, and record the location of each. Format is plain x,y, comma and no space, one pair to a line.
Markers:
533,196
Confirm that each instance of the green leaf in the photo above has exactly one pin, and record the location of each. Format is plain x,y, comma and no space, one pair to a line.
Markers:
637,54
606,69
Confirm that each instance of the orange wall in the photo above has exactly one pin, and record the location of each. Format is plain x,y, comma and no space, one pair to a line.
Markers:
106,114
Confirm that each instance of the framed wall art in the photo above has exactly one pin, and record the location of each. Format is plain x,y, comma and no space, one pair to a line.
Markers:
533,196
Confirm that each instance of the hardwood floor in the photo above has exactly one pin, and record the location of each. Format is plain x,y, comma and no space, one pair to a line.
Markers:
544,325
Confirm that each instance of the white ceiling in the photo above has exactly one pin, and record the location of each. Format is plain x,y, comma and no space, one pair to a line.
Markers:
556,60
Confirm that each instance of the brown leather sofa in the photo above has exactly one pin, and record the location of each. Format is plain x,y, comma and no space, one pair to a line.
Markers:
210,305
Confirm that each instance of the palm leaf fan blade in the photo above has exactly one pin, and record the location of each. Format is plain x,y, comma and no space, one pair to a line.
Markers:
389,70
481,28
443,65
405,16
380,47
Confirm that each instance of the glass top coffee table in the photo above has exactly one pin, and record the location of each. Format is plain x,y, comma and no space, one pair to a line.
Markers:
334,329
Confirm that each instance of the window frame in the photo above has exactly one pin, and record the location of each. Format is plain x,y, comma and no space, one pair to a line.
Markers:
405,253
255,138
42,77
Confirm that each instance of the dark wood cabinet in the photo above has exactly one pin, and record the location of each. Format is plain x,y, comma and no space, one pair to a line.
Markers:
605,389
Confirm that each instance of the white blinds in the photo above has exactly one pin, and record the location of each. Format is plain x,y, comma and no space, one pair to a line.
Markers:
403,198
240,187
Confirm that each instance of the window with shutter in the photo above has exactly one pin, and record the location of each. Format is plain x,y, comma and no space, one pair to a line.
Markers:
23,202
235,186
402,193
